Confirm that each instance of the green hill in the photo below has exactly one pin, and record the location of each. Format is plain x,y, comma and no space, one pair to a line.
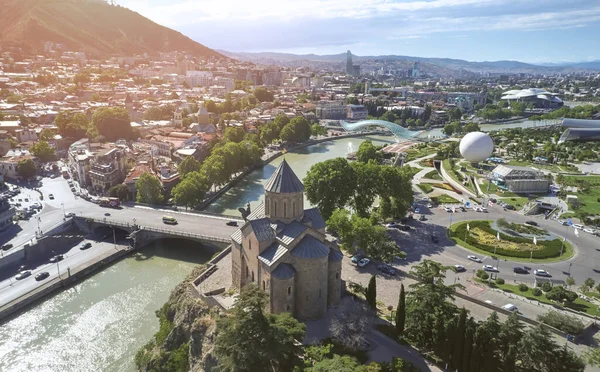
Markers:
90,26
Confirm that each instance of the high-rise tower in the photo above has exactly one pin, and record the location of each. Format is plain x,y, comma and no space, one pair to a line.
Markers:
349,66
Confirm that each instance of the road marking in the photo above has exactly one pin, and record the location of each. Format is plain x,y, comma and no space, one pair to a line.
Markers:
189,213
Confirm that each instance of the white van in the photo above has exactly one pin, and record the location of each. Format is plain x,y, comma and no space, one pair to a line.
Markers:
510,307
578,226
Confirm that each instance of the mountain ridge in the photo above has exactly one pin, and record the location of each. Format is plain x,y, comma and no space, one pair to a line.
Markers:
501,65
93,27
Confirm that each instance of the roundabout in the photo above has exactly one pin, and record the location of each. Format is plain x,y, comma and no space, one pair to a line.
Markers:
479,236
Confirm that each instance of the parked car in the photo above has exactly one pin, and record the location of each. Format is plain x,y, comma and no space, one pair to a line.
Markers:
417,211
391,225
386,269
531,223
589,231
520,270
57,258
6,247
510,307
85,246
510,207
70,214
540,272
459,268
462,209
474,258
434,238
364,262
51,196
562,222
232,223
23,274
107,214
23,268
356,258
447,209
422,218
41,276
429,205
483,209
403,227
490,268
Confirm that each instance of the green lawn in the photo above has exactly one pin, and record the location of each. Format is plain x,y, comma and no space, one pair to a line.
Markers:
577,305
517,202
427,188
589,201
548,167
433,175
573,180
444,199
415,153
567,253
452,172
566,215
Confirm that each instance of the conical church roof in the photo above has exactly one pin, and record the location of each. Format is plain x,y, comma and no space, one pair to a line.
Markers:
284,180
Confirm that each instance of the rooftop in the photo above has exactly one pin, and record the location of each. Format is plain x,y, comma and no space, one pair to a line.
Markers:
284,180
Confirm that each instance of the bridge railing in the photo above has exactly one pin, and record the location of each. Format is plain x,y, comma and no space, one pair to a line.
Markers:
159,230
187,234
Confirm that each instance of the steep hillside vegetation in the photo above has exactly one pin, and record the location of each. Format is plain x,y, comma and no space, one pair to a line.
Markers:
94,27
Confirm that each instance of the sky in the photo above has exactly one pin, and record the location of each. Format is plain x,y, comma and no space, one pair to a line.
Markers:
537,31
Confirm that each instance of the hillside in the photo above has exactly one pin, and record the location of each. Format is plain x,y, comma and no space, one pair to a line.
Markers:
447,63
90,26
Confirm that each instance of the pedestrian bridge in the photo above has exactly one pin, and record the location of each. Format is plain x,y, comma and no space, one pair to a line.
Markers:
397,130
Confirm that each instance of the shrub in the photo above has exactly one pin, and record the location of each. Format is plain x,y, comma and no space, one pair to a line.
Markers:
523,287
537,292
549,248
546,287
563,322
499,281
481,274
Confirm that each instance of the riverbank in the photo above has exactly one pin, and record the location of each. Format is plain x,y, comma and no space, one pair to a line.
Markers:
73,276
270,157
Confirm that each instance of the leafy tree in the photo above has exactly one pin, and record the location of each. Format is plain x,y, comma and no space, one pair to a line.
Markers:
523,287
119,191
250,340
288,133
564,322
149,189
570,281
340,222
43,151
401,311
113,123
592,356
46,134
318,130
371,293
588,284
74,125
269,132
367,151
191,190
234,134
352,325
263,95
330,184
189,165
539,352
367,186
26,168
459,339
338,363
559,294
427,113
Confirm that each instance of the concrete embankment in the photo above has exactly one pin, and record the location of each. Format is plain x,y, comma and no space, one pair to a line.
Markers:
67,279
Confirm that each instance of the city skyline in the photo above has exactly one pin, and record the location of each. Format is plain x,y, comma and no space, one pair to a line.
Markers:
540,32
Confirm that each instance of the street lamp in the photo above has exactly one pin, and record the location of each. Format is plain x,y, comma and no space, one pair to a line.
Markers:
133,221
63,207
57,266
114,237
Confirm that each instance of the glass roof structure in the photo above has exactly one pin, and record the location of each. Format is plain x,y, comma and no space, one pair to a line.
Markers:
396,129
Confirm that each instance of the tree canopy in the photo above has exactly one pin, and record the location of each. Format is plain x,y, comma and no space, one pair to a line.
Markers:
251,340
43,151
26,168
149,189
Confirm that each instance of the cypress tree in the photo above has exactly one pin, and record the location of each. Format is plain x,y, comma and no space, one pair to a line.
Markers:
468,346
459,340
401,311
371,294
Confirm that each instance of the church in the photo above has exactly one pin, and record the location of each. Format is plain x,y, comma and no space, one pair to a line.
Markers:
282,248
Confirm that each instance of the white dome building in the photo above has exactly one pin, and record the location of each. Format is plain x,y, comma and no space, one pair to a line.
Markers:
476,146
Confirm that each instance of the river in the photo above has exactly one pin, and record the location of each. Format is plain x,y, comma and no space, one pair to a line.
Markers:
100,323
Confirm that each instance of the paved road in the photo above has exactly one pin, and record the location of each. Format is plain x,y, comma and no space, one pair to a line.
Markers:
64,201
11,289
418,245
